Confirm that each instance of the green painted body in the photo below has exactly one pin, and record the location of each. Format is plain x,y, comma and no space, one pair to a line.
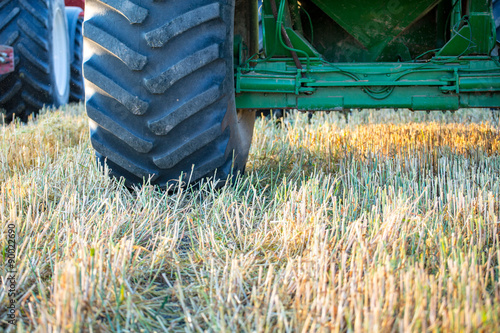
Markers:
416,54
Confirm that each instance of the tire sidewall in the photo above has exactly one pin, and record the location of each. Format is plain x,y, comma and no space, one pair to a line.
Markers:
72,16
60,90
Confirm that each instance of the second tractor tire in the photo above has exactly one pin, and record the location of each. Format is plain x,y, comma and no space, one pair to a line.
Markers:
160,90
38,32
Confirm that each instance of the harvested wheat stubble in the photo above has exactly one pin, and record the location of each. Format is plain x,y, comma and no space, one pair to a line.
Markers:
389,223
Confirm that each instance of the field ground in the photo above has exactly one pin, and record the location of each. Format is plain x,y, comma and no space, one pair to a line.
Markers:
388,223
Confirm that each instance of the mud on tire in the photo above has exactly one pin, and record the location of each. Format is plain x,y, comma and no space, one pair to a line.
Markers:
159,86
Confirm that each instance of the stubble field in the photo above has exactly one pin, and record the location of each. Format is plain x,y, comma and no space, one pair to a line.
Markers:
388,223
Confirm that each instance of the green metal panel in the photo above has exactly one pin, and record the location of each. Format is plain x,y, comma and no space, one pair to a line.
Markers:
360,31
443,65
375,22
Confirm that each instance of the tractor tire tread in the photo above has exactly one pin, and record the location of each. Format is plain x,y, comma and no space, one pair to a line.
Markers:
108,43
162,106
133,13
133,140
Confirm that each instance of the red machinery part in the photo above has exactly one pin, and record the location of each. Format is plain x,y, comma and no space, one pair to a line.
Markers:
6,59
76,3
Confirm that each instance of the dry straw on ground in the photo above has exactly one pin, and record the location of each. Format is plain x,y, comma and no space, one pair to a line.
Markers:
389,223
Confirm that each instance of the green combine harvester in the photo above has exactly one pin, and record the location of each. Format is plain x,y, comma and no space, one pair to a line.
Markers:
172,87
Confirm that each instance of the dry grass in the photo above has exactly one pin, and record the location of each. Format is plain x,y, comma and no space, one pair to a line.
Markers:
389,223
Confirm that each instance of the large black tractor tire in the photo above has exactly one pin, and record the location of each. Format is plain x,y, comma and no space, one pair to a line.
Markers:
159,81
38,32
75,23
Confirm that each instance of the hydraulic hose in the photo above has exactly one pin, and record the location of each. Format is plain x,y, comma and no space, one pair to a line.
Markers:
287,40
